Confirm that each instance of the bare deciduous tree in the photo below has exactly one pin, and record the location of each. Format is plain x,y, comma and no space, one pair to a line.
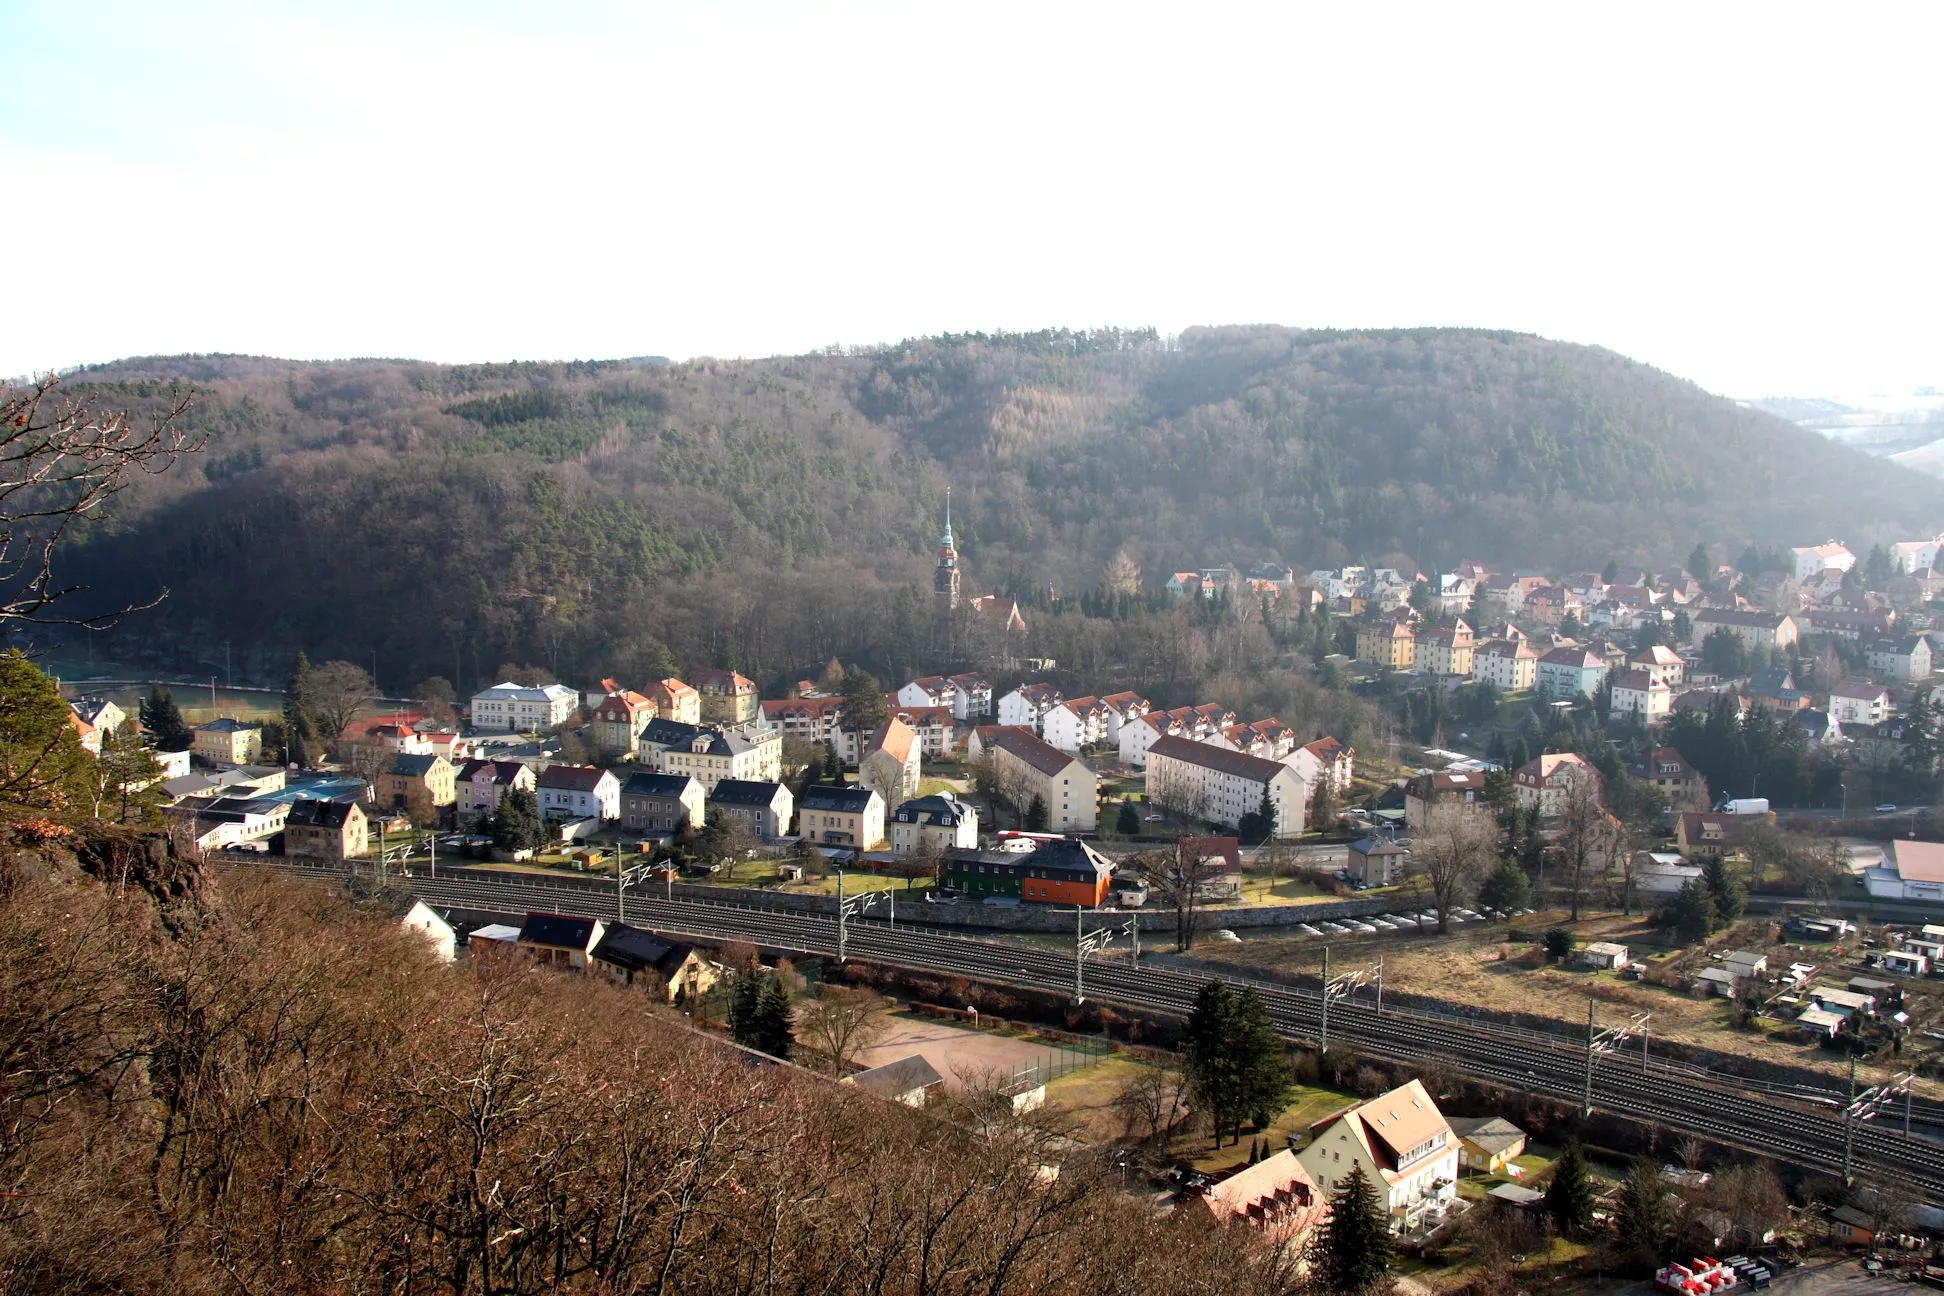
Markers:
338,692
839,1025
1590,838
1153,1101
1453,851
60,461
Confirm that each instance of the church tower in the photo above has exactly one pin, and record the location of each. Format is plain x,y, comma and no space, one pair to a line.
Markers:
945,577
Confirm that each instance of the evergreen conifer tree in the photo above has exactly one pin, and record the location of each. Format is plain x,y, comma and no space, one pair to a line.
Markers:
775,1034
1209,1056
1263,1058
1569,1198
1643,1209
1351,1253
126,775
516,825
46,771
1036,818
163,721
744,997
1128,821
1265,818
301,742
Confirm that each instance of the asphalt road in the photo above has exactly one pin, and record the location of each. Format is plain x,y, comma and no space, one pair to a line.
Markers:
1790,1123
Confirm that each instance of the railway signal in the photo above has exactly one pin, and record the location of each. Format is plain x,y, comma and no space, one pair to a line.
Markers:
1086,942
1337,989
849,908
623,879
1864,1105
1601,1043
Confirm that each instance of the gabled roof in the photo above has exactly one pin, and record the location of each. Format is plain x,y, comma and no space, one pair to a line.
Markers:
306,812
748,792
633,950
1487,1133
559,931
642,783
1392,1124
1277,1182
1575,657
503,771
408,766
1859,690
572,778
1024,745
894,738
226,725
1226,849
937,809
1917,861
724,681
1239,764
1543,769
1067,857
895,1079
837,800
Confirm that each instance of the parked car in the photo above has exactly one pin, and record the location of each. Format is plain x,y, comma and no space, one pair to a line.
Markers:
1886,808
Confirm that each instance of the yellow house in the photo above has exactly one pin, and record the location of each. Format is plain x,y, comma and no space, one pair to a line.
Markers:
726,697
1488,1144
1446,650
422,786
1390,644
228,742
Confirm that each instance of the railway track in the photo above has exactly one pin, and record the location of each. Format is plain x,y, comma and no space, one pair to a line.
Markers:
1798,1125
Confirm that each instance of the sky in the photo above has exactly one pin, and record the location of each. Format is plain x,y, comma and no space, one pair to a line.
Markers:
1744,195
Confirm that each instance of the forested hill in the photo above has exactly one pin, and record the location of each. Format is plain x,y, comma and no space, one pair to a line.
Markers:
769,513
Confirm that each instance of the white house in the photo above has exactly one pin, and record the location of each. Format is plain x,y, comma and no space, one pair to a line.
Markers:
1661,662
1027,705
1198,723
1813,560
1508,665
1912,870
1123,709
1858,701
971,696
1204,781
1638,692
927,691
1403,1143
514,708
1915,555
941,819
432,925
578,792
1073,724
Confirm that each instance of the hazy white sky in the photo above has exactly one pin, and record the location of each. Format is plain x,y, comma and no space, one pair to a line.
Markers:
1744,195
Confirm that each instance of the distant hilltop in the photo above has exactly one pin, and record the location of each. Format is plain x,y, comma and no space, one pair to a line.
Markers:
1906,429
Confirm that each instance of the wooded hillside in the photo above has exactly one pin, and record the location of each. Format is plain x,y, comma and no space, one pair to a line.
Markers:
611,517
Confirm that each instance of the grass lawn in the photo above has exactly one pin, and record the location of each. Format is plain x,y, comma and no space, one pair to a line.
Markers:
857,883
933,786
1279,891
1085,1098
1308,1104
